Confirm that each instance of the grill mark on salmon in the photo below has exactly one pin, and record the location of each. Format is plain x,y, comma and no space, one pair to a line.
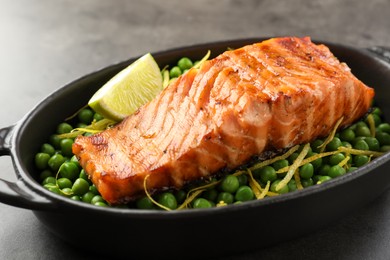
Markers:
244,103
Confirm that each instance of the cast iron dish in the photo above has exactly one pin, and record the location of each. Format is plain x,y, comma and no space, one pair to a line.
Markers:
126,233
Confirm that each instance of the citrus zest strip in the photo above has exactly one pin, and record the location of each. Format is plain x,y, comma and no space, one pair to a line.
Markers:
297,179
190,198
371,124
206,57
272,160
165,74
254,185
360,152
293,168
331,135
150,197
265,190
344,161
94,127
75,114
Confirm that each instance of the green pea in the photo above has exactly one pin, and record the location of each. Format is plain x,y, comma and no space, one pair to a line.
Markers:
385,148
69,170
44,174
306,171
185,63
307,182
97,198
336,158
66,147
334,144
324,169
180,196
292,185
210,195
282,190
377,119
226,197
267,173
336,171
361,124
87,197
201,203
322,179
75,197
55,162
346,144
175,72
244,193
144,203
97,117
229,184
41,160
85,116
64,183
81,125
383,138
363,131
316,163
373,143
361,145
64,128
80,187
315,145
385,127
168,200
93,189
55,141
242,179
47,148
67,192
84,175
347,135
377,111
353,127
280,164
52,188
360,160
100,204
350,169
49,180
74,160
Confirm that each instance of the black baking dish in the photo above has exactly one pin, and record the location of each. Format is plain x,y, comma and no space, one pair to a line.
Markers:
126,233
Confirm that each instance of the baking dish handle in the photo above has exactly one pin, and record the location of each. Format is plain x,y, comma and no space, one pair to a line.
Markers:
382,52
17,193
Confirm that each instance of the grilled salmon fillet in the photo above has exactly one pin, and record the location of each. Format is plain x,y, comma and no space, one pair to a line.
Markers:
261,97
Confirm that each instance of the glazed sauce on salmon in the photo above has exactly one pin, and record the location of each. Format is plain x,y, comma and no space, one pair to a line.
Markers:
261,97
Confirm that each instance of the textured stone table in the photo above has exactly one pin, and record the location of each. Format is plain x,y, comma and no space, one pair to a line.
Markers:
46,44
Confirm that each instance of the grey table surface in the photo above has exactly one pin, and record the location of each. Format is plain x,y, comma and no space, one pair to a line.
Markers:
46,44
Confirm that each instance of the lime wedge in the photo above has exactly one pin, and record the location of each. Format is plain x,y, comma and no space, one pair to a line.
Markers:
128,90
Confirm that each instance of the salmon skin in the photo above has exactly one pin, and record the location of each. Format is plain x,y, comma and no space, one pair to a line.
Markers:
245,102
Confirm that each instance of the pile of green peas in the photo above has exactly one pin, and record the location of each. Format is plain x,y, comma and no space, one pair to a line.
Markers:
181,67
61,173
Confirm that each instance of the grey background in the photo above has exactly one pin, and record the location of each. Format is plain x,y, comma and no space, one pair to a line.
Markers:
46,44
